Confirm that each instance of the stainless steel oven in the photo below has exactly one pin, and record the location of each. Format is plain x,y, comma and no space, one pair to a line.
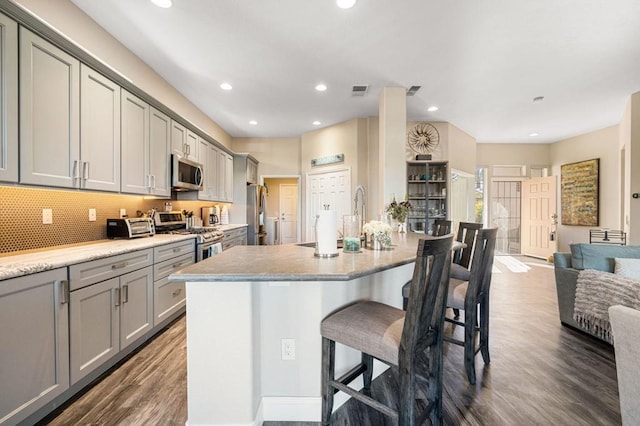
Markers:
208,249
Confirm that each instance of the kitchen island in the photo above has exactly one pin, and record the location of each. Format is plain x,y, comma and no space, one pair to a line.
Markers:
253,325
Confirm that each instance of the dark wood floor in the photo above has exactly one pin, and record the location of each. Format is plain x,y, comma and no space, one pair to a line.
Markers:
540,374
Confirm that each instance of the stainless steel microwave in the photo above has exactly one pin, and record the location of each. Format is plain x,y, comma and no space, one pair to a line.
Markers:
186,175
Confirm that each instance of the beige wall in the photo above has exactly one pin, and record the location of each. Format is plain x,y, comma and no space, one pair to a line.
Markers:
503,154
629,145
602,144
343,138
462,150
64,16
277,156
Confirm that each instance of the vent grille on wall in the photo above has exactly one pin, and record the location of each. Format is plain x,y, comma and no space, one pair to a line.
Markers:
413,90
359,90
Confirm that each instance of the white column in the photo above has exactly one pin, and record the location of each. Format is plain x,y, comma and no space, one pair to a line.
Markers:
392,143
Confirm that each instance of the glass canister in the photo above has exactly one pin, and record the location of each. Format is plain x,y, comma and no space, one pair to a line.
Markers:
351,233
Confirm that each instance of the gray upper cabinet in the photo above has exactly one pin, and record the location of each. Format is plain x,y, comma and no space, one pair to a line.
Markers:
159,150
34,313
184,142
8,100
146,134
99,131
252,171
225,176
49,114
135,145
208,156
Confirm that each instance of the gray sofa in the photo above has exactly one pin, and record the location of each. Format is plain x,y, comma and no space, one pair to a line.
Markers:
583,256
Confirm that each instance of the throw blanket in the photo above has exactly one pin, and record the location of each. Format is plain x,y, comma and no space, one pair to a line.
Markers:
596,291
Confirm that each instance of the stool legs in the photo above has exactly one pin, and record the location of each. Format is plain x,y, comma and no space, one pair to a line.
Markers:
328,374
367,361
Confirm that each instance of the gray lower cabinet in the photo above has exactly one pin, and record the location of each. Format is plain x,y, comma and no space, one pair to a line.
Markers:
34,343
234,237
107,317
111,306
170,297
8,100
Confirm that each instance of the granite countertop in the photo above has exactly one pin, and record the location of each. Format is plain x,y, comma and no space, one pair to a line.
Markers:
34,261
230,226
292,262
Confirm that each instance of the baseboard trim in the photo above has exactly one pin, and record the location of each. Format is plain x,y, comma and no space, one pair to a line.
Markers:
291,409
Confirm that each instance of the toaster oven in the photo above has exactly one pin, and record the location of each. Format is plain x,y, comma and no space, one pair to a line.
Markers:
130,227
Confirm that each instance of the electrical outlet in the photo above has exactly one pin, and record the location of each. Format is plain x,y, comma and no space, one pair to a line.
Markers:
288,349
47,216
92,215
123,212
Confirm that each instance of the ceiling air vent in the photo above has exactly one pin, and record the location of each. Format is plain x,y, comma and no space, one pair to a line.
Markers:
413,90
359,90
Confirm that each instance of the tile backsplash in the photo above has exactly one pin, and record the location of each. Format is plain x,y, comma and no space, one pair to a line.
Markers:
21,225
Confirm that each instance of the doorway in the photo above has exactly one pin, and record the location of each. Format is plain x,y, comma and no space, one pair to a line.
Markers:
539,215
283,209
505,215
328,187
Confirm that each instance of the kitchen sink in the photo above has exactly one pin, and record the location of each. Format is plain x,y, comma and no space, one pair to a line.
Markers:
313,244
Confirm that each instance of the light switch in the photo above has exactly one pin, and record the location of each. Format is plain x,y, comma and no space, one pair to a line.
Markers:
123,212
92,215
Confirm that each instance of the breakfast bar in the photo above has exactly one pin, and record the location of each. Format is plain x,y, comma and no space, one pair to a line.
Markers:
253,325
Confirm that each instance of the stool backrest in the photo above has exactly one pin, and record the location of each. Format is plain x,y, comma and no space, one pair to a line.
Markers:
482,264
441,227
427,297
466,234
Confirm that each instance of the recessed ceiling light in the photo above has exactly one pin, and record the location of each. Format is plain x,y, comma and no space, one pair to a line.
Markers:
534,134
316,123
432,108
321,87
253,122
163,3
226,86
345,4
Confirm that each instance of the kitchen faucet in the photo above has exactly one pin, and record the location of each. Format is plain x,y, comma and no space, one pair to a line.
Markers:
360,190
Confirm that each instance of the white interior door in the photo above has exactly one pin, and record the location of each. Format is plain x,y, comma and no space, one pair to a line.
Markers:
538,208
288,213
332,188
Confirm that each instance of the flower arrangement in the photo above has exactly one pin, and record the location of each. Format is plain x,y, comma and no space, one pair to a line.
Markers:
378,231
399,211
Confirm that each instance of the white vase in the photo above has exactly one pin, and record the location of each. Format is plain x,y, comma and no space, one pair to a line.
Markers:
402,226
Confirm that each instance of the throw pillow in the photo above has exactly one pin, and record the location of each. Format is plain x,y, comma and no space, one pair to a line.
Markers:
629,268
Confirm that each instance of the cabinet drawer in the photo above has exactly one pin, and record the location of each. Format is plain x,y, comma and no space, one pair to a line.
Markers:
168,251
87,273
235,233
169,297
163,269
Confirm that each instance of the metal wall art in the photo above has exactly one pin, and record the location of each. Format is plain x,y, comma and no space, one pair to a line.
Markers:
579,185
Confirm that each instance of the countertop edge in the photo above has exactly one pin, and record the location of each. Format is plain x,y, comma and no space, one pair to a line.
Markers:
19,265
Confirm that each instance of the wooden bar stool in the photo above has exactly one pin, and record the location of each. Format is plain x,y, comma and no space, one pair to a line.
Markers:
410,342
468,296
441,227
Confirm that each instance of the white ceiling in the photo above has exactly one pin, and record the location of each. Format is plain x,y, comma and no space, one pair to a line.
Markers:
480,61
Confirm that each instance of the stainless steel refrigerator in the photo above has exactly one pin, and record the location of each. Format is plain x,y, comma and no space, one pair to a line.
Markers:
256,214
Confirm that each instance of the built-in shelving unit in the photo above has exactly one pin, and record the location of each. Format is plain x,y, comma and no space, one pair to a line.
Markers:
427,190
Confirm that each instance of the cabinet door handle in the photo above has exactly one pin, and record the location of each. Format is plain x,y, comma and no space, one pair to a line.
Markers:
119,265
177,292
117,290
76,171
64,292
85,170
153,180
125,293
